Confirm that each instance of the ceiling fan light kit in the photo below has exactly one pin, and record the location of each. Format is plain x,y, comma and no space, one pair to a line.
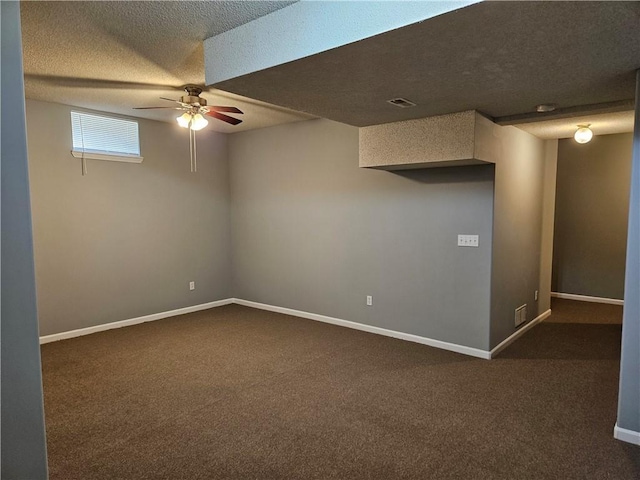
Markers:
198,122
192,121
196,108
184,120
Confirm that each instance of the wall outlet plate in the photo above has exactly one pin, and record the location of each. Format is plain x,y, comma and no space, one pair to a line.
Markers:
468,240
192,285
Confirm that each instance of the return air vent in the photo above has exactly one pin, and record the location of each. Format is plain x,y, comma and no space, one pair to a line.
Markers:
401,102
521,315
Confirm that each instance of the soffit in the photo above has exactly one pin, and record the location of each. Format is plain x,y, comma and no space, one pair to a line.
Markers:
501,58
604,124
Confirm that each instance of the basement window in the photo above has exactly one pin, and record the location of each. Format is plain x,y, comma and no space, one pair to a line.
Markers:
105,138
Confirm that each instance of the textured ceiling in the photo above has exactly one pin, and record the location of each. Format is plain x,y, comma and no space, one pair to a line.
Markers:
604,124
501,58
112,56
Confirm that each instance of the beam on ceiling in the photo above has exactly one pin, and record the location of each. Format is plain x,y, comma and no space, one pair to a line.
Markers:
568,112
309,27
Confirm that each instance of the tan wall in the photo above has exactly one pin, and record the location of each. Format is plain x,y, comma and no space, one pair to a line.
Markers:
592,208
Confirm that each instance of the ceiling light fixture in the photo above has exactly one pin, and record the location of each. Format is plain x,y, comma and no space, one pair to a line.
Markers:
545,107
193,121
184,120
195,107
583,134
198,122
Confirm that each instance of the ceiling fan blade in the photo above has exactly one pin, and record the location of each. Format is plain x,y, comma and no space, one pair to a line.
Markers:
149,108
225,109
170,99
224,118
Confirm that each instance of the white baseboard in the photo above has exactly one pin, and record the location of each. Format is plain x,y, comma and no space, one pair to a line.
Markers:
474,352
132,321
507,341
453,347
625,435
586,298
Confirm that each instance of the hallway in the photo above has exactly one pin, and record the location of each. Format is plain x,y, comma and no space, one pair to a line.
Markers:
572,311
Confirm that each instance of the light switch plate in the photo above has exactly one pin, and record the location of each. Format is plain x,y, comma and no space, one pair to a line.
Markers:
468,240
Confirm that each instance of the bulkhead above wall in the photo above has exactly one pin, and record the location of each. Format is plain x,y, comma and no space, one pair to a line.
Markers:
456,139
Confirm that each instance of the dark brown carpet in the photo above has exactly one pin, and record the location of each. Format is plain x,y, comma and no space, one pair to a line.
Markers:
237,393
571,311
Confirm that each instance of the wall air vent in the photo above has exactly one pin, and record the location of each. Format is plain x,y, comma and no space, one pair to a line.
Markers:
521,315
401,102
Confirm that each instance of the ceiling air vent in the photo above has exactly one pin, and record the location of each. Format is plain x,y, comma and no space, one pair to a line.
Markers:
401,102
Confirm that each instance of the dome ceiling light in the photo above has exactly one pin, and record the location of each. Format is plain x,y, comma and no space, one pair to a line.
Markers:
583,134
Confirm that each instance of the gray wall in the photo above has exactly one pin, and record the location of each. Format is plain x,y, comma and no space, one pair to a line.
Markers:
22,423
629,395
309,230
517,228
314,232
126,239
592,205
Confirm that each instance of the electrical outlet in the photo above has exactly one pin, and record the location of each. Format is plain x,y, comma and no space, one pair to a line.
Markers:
369,300
536,296
192,285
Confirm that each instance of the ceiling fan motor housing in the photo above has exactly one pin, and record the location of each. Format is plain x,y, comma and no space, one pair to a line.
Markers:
193,100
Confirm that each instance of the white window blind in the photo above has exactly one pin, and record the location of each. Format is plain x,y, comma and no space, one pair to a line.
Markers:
105,138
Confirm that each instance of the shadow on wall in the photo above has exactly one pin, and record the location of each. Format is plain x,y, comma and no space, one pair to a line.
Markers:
444,175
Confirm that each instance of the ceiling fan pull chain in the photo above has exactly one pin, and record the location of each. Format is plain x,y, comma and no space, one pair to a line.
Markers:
195,153
191,148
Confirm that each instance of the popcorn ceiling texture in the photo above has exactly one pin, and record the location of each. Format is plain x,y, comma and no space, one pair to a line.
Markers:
445,140
157,45
308,28
140,41
499,58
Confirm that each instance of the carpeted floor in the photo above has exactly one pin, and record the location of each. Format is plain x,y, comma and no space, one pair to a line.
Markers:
238,393
570,311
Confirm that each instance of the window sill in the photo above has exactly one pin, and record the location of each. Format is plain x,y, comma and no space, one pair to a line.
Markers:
107,156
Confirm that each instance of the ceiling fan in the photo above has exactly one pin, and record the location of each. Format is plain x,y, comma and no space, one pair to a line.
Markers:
195,107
